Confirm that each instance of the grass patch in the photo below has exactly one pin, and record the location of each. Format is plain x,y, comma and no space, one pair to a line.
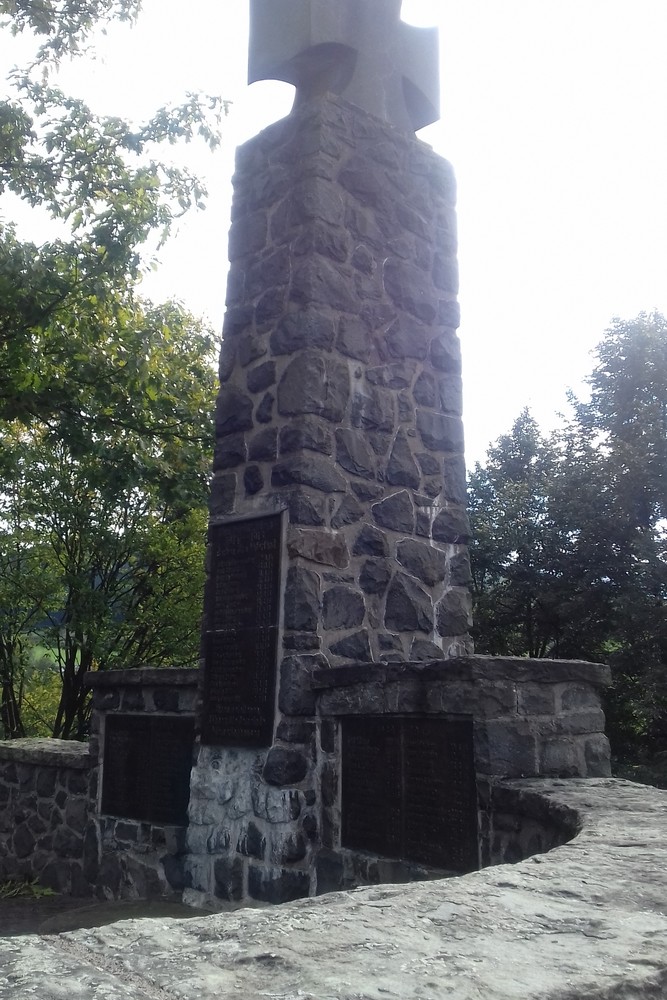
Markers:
24,888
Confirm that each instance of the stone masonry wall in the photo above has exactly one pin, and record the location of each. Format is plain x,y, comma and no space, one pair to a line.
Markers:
44,787
340,402
341,388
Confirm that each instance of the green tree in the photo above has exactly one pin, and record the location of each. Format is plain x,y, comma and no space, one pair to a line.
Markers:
63,25
569,551
117,514
26,585
105,401
101,178
627,416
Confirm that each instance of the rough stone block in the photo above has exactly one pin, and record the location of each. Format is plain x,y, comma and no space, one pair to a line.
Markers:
76,814
295,732
440,431
223,490
45,784
24,841
288,848
349,512
454,477
295,696
166,699
329,872
424,649
374,576
285,766
301,642
536,699
252,843
248,235
275,805
261,377
410,289
353,454
343,607
575,697
311,471
406,339
373,409
324,547
396,512
277,885
425,562
263,447
453,613
402,469
598,756
175,872
353,647
233,411
445,354
371,542
253,480
264,412
306,328
506,749
67,843
314,384
322,281
302,600
408,607
77,782
560,758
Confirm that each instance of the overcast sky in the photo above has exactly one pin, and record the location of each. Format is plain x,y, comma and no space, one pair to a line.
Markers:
554,117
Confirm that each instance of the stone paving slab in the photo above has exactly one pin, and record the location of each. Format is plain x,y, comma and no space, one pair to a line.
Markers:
589,919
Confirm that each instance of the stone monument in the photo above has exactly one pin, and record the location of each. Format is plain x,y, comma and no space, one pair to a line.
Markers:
338,572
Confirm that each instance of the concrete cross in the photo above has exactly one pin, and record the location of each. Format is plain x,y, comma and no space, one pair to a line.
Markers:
358,49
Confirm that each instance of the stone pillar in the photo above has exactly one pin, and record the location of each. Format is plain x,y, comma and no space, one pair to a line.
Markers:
340,402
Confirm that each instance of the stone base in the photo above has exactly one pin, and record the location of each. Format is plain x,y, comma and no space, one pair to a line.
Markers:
266,825
586,920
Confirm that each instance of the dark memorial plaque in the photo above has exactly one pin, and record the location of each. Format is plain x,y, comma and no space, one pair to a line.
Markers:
409,790
242,613
146,767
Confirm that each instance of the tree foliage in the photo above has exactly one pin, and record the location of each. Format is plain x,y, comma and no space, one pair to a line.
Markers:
105,400
102,520
569,552
63,25
102,179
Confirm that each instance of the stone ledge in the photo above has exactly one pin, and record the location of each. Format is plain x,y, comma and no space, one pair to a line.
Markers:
46,753
466,668
586,920
144,676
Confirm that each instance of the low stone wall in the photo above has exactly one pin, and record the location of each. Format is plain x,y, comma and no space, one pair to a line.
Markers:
517,822
44,805
584,922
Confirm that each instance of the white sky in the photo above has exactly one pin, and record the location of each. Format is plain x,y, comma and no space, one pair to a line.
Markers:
554,116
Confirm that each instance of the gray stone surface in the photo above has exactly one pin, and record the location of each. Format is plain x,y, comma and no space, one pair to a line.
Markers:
44,800
586,920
